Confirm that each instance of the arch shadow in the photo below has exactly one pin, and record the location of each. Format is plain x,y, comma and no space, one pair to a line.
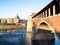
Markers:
46,26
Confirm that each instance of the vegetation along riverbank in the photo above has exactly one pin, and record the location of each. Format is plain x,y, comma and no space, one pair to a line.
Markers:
12,26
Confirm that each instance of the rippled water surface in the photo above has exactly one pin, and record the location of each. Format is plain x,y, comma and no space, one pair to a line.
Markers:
18,38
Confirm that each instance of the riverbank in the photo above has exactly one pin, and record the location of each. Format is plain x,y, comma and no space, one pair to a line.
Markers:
11,27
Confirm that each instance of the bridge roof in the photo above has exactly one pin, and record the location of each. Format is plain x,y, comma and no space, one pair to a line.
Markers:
46,7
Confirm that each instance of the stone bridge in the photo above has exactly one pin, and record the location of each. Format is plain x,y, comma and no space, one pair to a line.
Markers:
50,23
48,18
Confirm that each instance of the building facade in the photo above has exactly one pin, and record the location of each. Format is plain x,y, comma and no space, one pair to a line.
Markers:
4,21
10,20
13,20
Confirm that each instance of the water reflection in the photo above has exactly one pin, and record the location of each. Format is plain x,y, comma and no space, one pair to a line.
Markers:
19,37
29,36
57,41
43,37
13,38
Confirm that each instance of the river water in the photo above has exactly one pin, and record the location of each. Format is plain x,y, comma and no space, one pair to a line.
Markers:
19,38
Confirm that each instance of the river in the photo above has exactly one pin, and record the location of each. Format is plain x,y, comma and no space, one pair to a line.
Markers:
19,38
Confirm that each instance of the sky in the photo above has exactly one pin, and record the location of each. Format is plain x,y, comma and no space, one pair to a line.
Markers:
24,8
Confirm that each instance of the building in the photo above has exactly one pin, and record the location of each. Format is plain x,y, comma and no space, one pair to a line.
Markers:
16,19
13,20
10,20
4,21
23,21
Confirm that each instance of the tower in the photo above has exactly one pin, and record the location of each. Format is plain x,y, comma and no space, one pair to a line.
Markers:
17,16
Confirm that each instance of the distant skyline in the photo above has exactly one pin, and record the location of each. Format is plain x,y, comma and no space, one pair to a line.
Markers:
24,8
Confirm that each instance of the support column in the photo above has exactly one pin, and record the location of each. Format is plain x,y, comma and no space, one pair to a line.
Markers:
43,14
59,7
49,12
54,10
46,13
40,15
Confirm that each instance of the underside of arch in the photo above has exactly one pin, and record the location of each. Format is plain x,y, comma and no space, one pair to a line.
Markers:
45,26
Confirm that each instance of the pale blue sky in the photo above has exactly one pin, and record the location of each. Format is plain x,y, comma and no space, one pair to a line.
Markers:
24,8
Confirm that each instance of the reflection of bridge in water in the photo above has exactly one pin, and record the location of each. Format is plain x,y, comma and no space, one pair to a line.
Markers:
7,31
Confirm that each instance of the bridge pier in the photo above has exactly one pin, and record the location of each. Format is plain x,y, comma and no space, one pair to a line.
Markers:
29,25
29,30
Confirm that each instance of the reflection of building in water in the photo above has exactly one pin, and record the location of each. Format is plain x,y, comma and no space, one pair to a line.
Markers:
7,31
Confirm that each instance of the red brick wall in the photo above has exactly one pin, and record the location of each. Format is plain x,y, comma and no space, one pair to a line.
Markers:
53,21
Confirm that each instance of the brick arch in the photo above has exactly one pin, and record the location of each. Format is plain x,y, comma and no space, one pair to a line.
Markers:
46,26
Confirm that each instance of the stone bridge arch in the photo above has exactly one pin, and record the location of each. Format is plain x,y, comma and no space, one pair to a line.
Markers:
46,26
